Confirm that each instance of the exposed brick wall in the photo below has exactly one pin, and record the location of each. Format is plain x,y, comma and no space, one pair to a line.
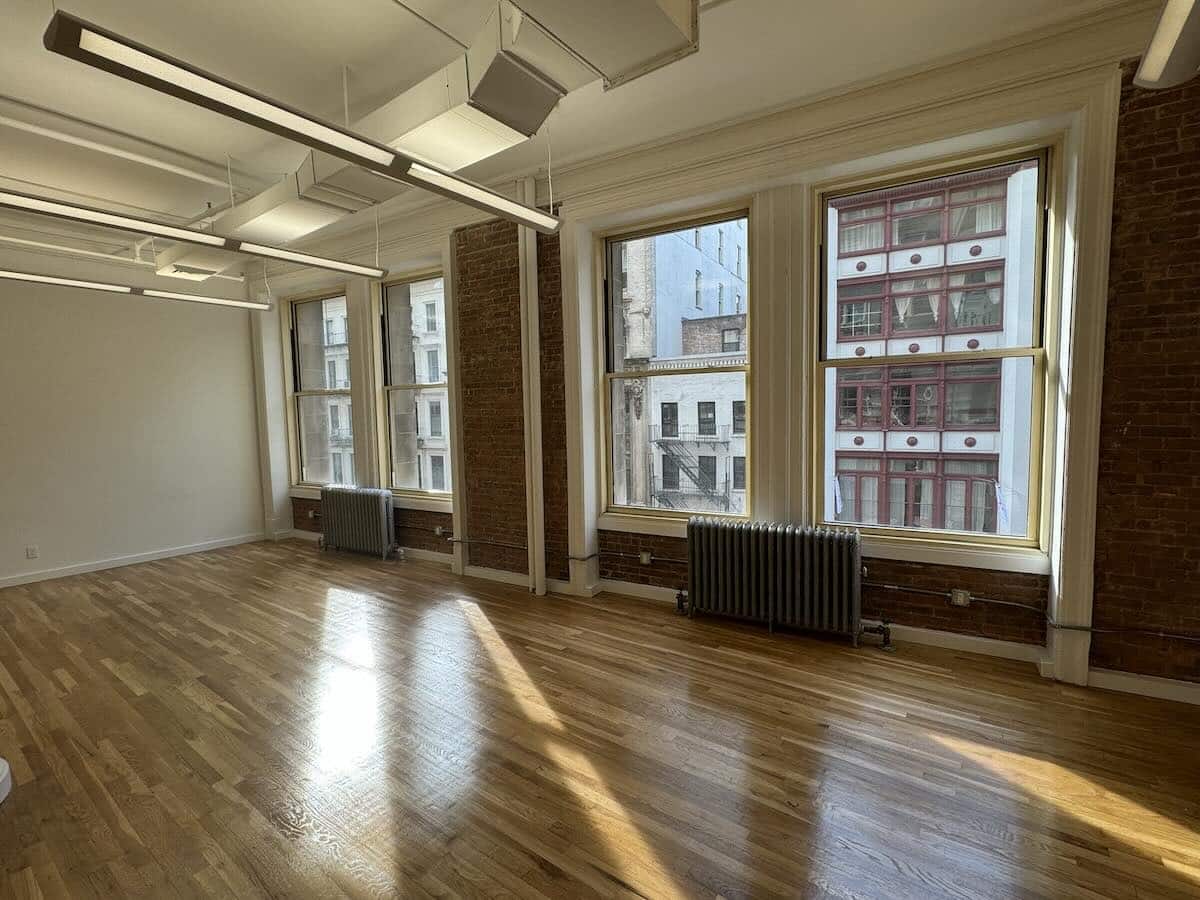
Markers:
707,335
414,527
921,610
554,407
487,287
1005,623
617,567
1147,570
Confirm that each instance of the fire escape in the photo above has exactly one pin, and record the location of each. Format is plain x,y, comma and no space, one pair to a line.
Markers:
695,489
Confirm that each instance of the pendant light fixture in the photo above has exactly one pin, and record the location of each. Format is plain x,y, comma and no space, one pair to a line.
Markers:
107,288
86,214
73,37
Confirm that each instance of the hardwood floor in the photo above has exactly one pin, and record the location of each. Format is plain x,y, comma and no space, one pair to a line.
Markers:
268,720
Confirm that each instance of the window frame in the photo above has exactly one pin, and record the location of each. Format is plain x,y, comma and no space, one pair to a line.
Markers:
601,242
1047,197
383,398
291,377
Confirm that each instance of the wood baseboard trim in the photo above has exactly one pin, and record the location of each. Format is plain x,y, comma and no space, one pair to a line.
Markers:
1145,685
117,562
1031,653
642,591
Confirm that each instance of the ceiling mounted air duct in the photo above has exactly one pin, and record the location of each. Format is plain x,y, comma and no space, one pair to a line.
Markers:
621,39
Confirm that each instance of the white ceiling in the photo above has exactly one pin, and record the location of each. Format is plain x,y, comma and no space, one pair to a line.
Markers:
755,55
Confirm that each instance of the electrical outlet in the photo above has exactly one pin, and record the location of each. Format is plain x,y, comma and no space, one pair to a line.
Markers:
959,597
439,530
644,557
32,552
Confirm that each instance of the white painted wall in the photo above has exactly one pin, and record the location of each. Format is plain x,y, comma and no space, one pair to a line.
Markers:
127,428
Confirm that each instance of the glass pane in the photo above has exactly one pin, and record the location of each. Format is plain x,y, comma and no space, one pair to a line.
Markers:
956,505
668,311
861,319
989,462
975,309
849,504
872,407
973,403
999,296
848,407
869,487
913,314
923,228
978,218
862,212
927,406
326,439
416,332
860,238
901,405
698,439
417,435
322,345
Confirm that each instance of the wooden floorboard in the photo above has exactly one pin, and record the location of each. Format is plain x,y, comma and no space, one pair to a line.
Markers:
269,720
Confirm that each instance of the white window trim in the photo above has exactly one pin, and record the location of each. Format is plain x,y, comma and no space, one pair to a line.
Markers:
959,109
414,498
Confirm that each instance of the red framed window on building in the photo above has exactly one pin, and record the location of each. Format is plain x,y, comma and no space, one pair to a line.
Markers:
951,492
939,301
923,397
914,216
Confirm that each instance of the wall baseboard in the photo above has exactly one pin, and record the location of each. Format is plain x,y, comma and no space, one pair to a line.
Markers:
300,534
642,591
499,575
1031,653
1145,685
433,556
117,562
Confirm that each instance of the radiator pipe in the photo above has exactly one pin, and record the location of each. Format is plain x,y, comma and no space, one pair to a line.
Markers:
454,540
945,595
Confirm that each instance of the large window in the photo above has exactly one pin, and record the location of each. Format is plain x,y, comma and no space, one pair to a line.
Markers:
321,391
415,389
677,367
932,354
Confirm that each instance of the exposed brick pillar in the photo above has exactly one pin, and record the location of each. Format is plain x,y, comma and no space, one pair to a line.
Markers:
488,303
1147,570
554,408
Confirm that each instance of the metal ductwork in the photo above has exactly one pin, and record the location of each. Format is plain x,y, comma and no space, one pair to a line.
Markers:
527,56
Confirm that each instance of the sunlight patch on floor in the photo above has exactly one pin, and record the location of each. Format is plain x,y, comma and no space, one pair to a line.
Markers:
1089,802
634,860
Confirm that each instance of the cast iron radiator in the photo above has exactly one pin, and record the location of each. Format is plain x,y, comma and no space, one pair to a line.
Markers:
358,519
805,578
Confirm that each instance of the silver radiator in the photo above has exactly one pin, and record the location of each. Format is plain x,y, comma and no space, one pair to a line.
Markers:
358,519
804,578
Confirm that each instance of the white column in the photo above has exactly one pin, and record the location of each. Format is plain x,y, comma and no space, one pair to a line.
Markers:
1089,163
5,779
364,380
270,392
531,390
580,370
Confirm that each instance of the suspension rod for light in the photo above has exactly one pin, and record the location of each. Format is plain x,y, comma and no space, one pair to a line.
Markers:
36,278
87,43
90,216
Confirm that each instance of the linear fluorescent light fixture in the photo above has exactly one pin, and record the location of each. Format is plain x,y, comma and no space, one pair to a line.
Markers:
126,289
1173,56
91,216
71,36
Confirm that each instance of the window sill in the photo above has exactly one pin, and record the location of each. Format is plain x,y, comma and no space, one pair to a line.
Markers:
994,558
971,556
399,501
